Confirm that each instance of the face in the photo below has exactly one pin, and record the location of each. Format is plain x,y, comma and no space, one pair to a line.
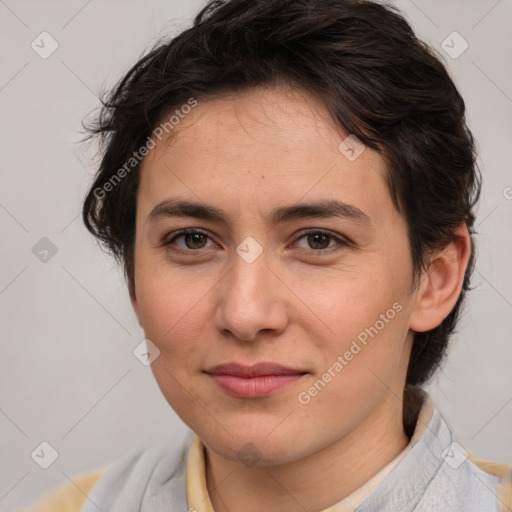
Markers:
275,323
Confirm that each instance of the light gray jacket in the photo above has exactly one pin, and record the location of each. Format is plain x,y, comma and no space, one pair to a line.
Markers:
435,476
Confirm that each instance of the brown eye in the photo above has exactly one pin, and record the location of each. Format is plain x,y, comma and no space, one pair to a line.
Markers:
318,241
192,238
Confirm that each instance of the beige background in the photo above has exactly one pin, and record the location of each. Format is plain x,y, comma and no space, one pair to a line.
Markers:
68,374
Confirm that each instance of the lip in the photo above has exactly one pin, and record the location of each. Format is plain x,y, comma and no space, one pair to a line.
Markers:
255,381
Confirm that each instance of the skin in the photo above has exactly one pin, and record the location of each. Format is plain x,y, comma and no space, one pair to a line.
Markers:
247,154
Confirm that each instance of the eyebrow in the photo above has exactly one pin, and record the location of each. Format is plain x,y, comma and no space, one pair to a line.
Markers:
318,209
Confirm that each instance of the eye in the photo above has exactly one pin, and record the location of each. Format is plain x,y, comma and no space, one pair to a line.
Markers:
193,239
319,240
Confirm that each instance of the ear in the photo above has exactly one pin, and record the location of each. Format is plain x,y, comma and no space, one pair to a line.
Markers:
135,304
441,284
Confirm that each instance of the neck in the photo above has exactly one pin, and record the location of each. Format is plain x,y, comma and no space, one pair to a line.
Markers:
318,481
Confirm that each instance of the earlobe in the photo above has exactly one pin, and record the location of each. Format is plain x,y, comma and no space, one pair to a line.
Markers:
441,284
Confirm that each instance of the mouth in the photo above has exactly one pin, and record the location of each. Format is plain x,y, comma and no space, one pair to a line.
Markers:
255,381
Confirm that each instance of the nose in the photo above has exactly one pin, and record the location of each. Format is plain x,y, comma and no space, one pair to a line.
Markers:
251,301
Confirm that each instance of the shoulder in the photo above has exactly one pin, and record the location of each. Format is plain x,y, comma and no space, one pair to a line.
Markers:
69,496
459,478
493,468
156,462
502,474
470,484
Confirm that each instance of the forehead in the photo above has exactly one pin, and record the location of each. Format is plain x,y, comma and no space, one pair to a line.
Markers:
259,149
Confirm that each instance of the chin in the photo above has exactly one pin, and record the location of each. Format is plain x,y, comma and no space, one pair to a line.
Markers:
253,446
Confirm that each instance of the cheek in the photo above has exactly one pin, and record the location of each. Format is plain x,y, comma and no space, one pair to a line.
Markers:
360,364
173,309
348,303
366,319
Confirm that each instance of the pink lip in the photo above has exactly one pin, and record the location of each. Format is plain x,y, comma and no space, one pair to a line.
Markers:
253,381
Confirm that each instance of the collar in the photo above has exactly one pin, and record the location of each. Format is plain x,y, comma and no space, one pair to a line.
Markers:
433,474
197,490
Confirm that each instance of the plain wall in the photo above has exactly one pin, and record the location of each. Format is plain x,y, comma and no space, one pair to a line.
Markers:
68,374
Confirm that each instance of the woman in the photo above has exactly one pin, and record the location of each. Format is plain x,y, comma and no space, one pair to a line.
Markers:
290,186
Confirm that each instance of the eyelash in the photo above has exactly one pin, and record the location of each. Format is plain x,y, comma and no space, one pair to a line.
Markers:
189,231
